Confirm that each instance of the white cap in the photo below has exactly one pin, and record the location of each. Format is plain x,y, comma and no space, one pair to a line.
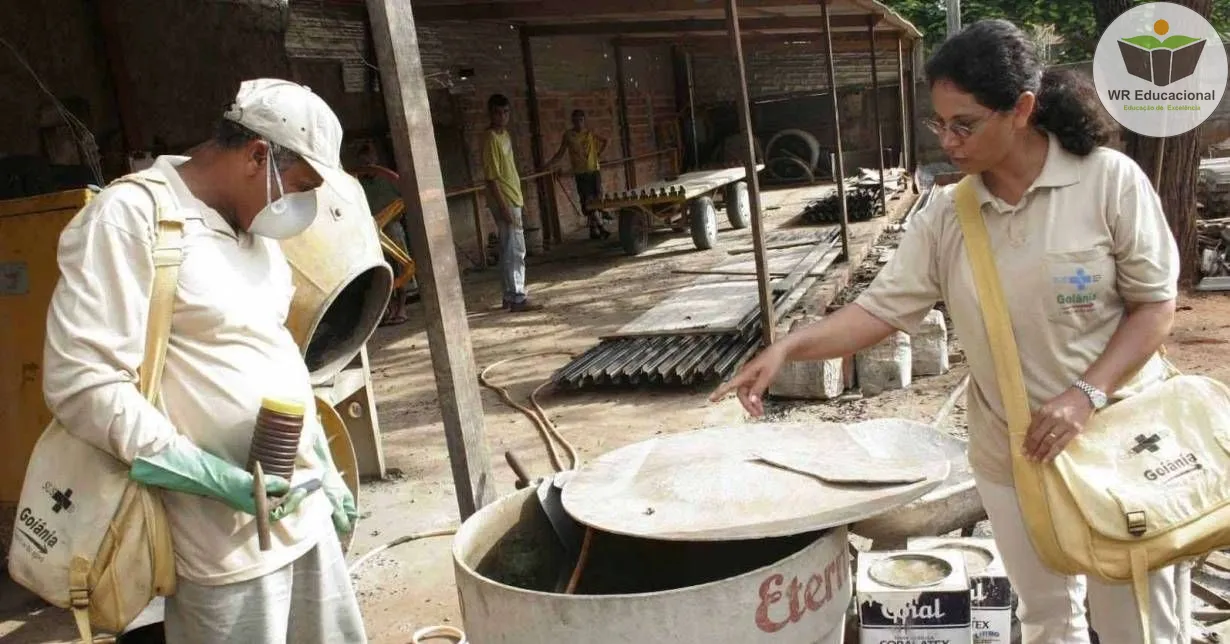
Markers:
292,116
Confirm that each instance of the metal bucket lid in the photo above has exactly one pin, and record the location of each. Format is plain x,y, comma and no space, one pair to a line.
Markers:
750,482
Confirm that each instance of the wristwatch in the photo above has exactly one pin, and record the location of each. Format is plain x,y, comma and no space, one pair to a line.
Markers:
1096,396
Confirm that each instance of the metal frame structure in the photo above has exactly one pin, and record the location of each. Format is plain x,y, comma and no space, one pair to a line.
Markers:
844,25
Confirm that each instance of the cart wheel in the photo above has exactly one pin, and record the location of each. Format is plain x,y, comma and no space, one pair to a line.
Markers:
738,206
704,223
633,230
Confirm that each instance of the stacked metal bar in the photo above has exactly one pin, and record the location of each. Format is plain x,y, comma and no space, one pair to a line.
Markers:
682,359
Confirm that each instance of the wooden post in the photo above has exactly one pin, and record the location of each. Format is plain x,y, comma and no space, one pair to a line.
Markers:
905,119
480,237
459,117
625,128
696,164
912,85
546,192
768,317
875,108
839,169
431,239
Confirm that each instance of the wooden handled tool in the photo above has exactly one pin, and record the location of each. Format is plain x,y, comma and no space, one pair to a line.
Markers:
262,507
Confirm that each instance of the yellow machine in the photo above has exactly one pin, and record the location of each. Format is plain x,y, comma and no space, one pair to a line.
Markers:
342,285
29,231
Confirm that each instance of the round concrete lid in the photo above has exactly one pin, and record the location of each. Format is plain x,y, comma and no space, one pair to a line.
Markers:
754,481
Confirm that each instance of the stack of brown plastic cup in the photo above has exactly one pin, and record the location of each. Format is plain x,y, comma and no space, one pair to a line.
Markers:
275,440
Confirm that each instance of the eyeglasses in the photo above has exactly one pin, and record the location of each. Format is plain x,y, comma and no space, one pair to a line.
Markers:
960,130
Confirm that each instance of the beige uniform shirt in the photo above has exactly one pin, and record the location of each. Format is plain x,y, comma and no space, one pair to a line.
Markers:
1088,235
228,348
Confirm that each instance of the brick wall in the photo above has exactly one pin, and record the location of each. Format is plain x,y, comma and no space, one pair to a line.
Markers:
571,73
775,69
58,39
186,58
788,85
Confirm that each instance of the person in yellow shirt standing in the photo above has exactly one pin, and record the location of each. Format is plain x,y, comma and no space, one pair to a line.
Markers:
583,148
504,189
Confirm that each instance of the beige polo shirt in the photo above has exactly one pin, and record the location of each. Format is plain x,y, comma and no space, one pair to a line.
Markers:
1088,235
228,348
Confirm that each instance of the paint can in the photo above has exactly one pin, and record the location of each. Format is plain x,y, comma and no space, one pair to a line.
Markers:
991,596
913,597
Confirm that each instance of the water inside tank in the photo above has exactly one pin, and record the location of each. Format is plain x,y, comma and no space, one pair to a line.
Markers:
530,556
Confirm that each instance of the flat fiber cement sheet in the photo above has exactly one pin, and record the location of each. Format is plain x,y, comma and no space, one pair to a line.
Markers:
715,484
697,308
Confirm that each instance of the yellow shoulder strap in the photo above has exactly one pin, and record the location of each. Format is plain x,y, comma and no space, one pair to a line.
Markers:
168,255
1027,476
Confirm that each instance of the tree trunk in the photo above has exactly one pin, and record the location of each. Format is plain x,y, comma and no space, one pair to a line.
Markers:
1180,161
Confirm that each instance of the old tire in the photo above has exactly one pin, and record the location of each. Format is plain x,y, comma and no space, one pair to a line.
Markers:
704,222
738,205
633,230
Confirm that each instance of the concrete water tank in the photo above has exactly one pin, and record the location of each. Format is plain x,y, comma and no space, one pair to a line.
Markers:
786,590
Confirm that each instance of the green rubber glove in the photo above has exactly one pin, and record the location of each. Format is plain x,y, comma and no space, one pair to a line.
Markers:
184,467
345,513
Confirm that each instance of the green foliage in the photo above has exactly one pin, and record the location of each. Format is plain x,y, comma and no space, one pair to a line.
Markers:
1073,20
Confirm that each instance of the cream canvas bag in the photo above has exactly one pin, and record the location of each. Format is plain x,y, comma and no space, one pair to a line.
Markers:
1144,486
88,538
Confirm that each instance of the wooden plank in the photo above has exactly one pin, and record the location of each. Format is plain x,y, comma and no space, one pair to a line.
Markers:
575,9
431,239
768,316
698,308
792,24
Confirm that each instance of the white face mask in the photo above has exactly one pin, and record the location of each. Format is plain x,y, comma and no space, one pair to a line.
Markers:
289,215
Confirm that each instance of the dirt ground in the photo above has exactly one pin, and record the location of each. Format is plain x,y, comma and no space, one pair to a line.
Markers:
590,288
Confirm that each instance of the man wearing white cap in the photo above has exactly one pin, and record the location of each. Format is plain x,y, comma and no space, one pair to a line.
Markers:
253,184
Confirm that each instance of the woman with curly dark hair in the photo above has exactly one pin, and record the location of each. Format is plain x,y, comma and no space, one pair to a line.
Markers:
1090,274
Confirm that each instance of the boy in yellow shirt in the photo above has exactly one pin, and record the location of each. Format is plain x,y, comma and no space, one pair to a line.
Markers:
504,190
583,148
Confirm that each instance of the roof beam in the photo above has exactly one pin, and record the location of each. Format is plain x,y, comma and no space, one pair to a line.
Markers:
842,42
718,27
427,11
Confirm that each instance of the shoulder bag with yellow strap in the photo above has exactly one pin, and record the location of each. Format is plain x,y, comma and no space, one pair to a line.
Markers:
109,552
1144,486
